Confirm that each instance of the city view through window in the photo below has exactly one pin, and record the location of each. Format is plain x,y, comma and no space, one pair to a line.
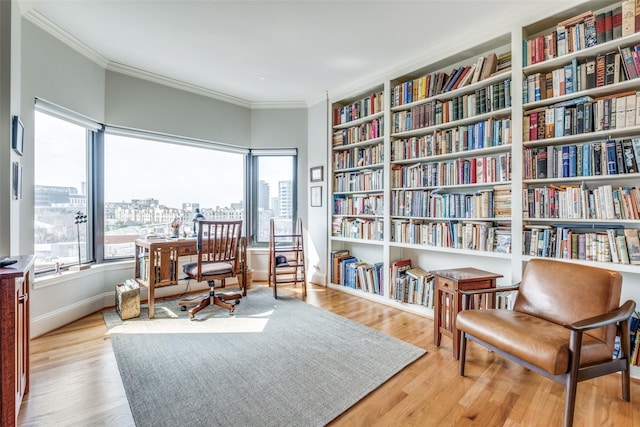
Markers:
148,186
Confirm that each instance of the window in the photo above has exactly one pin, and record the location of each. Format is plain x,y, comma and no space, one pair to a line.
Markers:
274,193
149,184
131,184
62,151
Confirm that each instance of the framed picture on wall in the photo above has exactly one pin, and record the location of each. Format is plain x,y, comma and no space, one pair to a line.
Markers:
316,174
17,135
316,196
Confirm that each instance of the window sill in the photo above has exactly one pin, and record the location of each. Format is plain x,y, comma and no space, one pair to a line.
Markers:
46,280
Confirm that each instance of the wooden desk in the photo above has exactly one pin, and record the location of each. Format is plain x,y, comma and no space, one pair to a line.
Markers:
448,301
15,283
157,263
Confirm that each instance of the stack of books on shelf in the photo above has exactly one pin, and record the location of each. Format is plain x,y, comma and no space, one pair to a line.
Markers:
577,202
362,180
358,204
461,171
360,133
486,203
411,285
583,31
358,228
486,99
370,104
582,115
358,157
464,234
454,140
347,270
429,85
612,245
601,158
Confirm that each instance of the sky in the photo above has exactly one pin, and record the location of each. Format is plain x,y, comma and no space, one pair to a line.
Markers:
141,169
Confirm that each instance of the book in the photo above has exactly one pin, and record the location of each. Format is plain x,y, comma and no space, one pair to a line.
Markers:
478,70
628,17
630,161
616,22
490,64
633,245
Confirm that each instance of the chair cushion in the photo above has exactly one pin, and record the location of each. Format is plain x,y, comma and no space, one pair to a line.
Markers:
208,268
540,342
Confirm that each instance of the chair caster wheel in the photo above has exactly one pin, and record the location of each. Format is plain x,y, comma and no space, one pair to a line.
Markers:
192,318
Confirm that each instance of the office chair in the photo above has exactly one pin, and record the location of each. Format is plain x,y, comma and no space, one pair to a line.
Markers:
221,255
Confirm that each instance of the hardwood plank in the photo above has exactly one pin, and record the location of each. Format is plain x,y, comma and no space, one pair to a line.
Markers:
75,380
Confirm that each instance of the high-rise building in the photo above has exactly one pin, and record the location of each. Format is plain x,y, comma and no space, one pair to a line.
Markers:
263,195
285,199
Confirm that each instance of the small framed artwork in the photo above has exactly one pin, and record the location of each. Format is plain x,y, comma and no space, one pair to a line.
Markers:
316,174
316,196
17,135
16,188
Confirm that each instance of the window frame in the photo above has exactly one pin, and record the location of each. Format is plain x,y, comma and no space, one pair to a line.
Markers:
95,165
252,161
93,130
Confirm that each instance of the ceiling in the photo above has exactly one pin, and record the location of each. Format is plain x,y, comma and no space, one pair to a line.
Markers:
290,53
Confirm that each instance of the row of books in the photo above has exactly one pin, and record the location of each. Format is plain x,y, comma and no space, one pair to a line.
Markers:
475,170
370,104
486,99
358,228
619,246
610,157
634,341
358,157
429,85
487,133
585,30
347,270
411,285
363,180
463,234
358,205
582,115
363,132
486,203
602,70
575,202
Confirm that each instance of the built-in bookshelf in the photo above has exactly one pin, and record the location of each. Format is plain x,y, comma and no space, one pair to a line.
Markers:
523,145
581,139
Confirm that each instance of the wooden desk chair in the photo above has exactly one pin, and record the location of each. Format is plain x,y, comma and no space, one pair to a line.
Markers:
221,255
563,325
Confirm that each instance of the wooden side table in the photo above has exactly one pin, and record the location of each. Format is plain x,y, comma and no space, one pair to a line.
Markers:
448,301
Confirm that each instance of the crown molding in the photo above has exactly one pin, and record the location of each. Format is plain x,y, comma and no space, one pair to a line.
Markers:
176,84
64,36
41,21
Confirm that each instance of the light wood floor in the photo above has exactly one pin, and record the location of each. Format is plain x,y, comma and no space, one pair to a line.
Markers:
75,381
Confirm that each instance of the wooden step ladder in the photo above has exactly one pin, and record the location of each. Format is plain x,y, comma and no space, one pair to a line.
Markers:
286,258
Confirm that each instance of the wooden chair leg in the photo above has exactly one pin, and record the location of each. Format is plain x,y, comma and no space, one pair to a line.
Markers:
570,400
626,383
463,354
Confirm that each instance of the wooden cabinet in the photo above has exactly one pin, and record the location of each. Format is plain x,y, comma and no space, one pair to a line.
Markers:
15,281
448,301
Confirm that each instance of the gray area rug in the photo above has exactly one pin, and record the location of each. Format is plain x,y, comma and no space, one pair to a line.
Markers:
275,363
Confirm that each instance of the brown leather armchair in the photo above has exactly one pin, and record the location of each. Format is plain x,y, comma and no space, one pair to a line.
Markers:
563,325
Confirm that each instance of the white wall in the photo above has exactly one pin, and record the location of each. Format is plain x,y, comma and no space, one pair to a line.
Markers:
53,71
316,244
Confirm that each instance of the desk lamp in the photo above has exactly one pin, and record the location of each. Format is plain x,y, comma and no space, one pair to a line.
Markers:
197,218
